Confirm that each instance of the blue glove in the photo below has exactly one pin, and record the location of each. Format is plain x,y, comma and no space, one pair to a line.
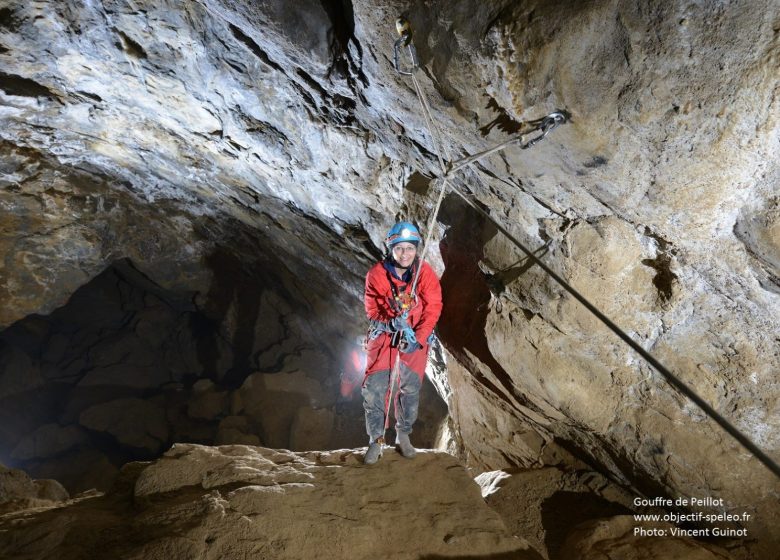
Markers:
407,346
398,323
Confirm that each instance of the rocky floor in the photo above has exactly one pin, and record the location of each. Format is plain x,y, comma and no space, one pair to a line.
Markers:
238,501
250,502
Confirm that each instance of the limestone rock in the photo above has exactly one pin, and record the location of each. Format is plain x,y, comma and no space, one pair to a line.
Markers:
134,422
78,470
236,430
273,399
51,490
206,402
614,538
15,484
124,337
553,502
311,429
18,491
49,440
238,150
20,374
237,500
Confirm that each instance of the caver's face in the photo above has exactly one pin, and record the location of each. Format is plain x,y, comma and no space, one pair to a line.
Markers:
404,253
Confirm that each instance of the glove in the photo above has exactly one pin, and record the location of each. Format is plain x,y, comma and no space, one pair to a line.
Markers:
407,346
398,323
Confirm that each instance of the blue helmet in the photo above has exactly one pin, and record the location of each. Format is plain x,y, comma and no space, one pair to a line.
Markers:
400,232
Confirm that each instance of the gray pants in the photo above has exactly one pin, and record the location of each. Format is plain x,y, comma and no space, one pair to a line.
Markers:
375,392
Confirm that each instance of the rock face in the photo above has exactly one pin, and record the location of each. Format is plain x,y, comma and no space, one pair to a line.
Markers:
18,491
553,502
238,501
257,152
614,538
581,515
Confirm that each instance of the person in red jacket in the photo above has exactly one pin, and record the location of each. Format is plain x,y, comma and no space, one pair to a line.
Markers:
401,329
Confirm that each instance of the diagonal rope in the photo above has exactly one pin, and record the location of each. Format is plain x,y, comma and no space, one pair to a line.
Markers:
670,378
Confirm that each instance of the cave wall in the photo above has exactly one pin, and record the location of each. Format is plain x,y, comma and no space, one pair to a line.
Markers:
157,131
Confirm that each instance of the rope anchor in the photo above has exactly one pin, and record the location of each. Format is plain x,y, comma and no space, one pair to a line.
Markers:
548,124
404,40
544,126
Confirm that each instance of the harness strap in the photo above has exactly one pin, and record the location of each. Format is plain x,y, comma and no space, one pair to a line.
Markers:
403,298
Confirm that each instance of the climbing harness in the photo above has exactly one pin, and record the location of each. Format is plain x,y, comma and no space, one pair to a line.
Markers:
544,126
402,301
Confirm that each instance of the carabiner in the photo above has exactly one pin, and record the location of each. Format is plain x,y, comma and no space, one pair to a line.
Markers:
547,124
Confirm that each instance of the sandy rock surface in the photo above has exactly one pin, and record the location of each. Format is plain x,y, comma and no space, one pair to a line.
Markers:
614,538
18,491
239,501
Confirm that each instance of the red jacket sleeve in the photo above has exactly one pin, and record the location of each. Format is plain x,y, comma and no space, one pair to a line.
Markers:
429,298
375,298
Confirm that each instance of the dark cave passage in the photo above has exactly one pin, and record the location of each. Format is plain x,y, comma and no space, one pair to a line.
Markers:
127,368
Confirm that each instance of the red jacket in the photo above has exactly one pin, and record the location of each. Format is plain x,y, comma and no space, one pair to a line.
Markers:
379,302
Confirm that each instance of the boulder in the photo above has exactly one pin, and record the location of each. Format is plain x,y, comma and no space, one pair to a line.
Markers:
311,429
78,470
133,422
49,440
206,402
15,484
236,430
273,400
18,491
51,490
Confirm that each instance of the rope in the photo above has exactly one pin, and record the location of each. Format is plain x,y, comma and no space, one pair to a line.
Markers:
668,375
436,145
546,124
670,378
394,373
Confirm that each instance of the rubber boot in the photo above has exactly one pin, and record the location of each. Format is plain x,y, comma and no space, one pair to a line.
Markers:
405,446
373,454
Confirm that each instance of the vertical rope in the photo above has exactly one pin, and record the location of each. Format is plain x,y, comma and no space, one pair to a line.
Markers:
438,145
